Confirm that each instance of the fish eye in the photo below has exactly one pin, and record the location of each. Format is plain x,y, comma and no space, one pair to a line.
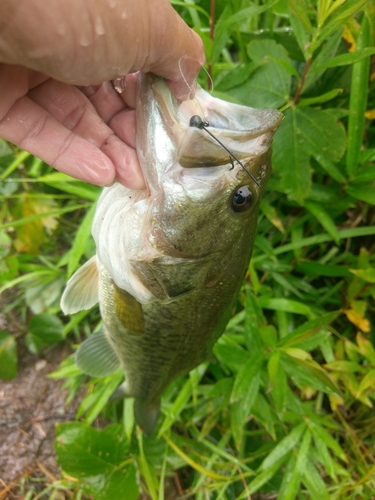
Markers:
242,199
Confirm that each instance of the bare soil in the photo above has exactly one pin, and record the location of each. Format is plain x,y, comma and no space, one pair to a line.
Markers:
30,405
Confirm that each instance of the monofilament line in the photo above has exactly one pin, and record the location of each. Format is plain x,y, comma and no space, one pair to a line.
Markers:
197,122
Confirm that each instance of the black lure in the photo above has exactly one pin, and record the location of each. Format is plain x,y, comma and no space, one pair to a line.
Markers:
197,122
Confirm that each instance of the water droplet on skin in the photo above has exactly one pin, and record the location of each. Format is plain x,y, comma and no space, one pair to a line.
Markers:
112,4
124,14
99,26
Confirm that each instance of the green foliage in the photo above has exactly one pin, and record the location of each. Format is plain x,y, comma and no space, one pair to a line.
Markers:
286,407
97,459
8,356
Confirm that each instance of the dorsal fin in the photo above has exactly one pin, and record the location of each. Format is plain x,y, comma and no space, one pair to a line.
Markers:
81,291
96,356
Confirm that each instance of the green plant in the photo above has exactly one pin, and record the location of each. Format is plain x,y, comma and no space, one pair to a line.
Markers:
286,407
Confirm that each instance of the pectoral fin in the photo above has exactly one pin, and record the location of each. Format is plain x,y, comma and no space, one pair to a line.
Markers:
96,356
82,290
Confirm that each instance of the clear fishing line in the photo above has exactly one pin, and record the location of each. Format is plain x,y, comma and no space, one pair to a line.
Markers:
197,122
191,88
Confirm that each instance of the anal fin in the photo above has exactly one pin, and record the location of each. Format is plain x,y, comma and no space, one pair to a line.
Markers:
96,356
82,290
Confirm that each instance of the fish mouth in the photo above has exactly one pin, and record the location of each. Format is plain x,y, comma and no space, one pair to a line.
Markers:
247,132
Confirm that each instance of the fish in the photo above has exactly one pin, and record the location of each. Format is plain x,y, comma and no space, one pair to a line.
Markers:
170,259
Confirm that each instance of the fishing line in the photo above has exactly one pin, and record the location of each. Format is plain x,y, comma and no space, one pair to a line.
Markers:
192,90
196,121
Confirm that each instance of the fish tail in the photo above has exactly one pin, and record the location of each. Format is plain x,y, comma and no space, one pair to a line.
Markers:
146,415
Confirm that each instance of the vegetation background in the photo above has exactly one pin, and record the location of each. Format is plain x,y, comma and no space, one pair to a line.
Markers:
286,409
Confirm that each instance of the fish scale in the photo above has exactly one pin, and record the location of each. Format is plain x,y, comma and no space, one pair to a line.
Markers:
171,258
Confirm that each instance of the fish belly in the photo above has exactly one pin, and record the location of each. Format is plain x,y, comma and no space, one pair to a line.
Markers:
158,341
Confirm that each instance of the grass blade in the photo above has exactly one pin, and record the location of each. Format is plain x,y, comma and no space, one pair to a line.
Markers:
358,100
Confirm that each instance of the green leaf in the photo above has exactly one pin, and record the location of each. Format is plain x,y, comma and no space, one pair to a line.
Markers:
5,244
305,132
67,184
291,481
40,297
294,470
262,478
286,305
234,77
367,381
271,213
309,373
309,329
321,238
303,453
330,168
327,51
300,32
362,191
324,218
345,59
253,320
232,355
4,148
317,269
96,400
325,458
146,469
128,416
268,335
8,356
278,381
269,85
80,241
98,459
244,14
265,415
300,10
340,15
321,434
178,405
308,101
315,484
240,410
358,100
245,376
283,447
365,274
365,174
44,329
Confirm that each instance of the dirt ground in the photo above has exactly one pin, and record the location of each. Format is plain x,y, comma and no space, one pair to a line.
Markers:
30,405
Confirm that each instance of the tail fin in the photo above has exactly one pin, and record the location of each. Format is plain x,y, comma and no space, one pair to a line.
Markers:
146,415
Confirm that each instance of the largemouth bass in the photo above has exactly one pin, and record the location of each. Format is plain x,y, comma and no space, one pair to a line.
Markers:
171,258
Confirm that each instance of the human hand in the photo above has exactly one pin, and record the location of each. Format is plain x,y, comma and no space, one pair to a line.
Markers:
41,108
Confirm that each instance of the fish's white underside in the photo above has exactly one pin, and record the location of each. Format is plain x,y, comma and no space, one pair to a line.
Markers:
121,236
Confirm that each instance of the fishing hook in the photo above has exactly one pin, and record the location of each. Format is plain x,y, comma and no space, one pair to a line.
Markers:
197,122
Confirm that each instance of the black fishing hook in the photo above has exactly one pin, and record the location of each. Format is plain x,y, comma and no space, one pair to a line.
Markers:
197,122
